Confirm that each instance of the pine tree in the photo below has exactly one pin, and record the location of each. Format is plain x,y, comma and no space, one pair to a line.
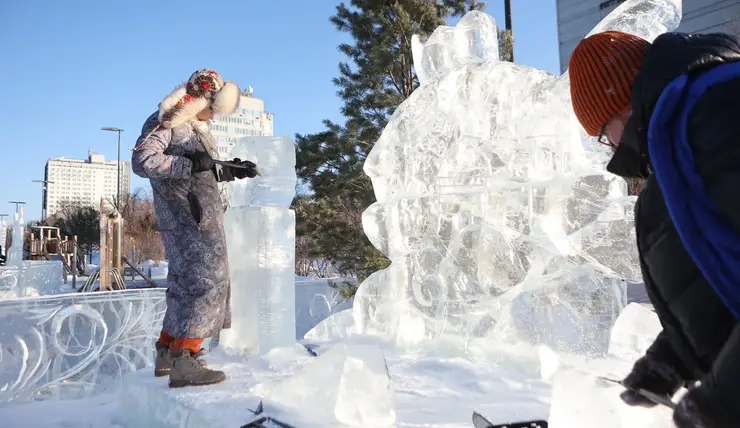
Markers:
377,78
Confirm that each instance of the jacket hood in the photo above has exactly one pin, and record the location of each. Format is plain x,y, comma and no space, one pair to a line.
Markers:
204,89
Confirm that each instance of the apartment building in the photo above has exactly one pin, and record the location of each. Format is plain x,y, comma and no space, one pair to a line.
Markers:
250,119
83,182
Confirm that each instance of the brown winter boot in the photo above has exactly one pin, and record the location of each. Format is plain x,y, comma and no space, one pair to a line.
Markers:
188,371
163,363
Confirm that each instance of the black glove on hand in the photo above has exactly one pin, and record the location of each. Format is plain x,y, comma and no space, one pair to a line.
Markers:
651,375
240,173
202,162
699,409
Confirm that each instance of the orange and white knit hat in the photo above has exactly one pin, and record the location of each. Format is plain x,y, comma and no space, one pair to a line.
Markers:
205,88
602,70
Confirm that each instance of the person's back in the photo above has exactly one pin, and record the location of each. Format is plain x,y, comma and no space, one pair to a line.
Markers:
618,85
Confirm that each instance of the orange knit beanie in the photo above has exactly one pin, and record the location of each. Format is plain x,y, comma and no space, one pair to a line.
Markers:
602,71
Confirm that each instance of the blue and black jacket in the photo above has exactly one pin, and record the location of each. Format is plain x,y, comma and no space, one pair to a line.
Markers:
684,138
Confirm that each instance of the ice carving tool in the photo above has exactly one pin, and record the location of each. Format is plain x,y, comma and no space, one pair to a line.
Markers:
263,421
236,165
655,398
481,422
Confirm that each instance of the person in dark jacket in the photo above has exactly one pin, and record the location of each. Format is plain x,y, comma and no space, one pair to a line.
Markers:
670,111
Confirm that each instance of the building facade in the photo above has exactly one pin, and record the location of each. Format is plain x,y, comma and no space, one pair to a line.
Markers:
249,119
83,182
576,18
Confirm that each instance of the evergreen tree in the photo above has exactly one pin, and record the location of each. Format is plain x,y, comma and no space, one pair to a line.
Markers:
377,78
505,45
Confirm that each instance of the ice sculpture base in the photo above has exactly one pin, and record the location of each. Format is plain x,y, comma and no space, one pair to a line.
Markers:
261,249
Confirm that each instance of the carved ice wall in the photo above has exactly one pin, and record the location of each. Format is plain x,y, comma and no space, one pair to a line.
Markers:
68,346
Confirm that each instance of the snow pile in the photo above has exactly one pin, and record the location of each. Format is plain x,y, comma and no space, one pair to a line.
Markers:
159,269
493,205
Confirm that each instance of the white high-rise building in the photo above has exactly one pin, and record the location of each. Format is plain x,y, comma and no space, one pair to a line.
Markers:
83,182
250,119
576,18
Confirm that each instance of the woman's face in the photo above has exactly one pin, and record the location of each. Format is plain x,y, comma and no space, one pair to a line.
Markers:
205,115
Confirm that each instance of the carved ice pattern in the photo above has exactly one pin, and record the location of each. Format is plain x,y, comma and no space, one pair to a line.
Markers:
38,278
67,346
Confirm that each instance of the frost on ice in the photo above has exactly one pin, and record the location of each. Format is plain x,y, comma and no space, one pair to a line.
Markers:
492,203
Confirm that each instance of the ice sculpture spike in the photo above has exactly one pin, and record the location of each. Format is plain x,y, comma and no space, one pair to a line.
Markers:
645,18
473,40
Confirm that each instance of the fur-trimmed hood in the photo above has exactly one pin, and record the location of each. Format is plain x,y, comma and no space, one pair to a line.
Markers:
204,89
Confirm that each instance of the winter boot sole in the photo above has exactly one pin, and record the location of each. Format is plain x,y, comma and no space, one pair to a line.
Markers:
184,383
161,372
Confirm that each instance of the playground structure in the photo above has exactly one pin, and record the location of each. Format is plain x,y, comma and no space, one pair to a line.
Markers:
110,271
46,243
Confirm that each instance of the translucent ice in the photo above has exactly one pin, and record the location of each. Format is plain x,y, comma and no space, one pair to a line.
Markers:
493,205
349,384
66,346
31,278
260,238
315,302
15,252
634,332
471,41
275,157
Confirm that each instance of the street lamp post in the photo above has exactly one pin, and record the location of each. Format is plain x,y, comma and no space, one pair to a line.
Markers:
507,19
17,204
118,180
44,188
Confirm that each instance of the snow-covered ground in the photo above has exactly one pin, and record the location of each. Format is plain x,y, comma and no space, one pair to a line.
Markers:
433,386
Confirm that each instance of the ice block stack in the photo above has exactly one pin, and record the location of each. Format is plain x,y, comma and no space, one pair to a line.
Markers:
260,235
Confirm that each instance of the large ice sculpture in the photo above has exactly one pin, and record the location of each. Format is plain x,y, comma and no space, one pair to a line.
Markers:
493,205
66,346
260,238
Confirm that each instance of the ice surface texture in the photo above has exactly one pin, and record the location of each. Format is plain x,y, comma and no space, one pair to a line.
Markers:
31,278
316,302
65,346
260,239
275,158
493,205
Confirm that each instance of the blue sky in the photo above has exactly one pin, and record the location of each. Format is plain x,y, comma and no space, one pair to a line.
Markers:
73,67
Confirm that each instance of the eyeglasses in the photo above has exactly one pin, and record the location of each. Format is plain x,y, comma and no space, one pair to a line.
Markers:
603,139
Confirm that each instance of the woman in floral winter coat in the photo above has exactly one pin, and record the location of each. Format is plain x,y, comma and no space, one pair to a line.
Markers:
175,152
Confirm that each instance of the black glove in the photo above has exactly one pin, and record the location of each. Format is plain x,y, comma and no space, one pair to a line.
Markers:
240,173
201,161
652,375
700,409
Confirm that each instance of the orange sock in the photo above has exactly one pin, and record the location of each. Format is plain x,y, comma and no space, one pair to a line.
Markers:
165,339
186,343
